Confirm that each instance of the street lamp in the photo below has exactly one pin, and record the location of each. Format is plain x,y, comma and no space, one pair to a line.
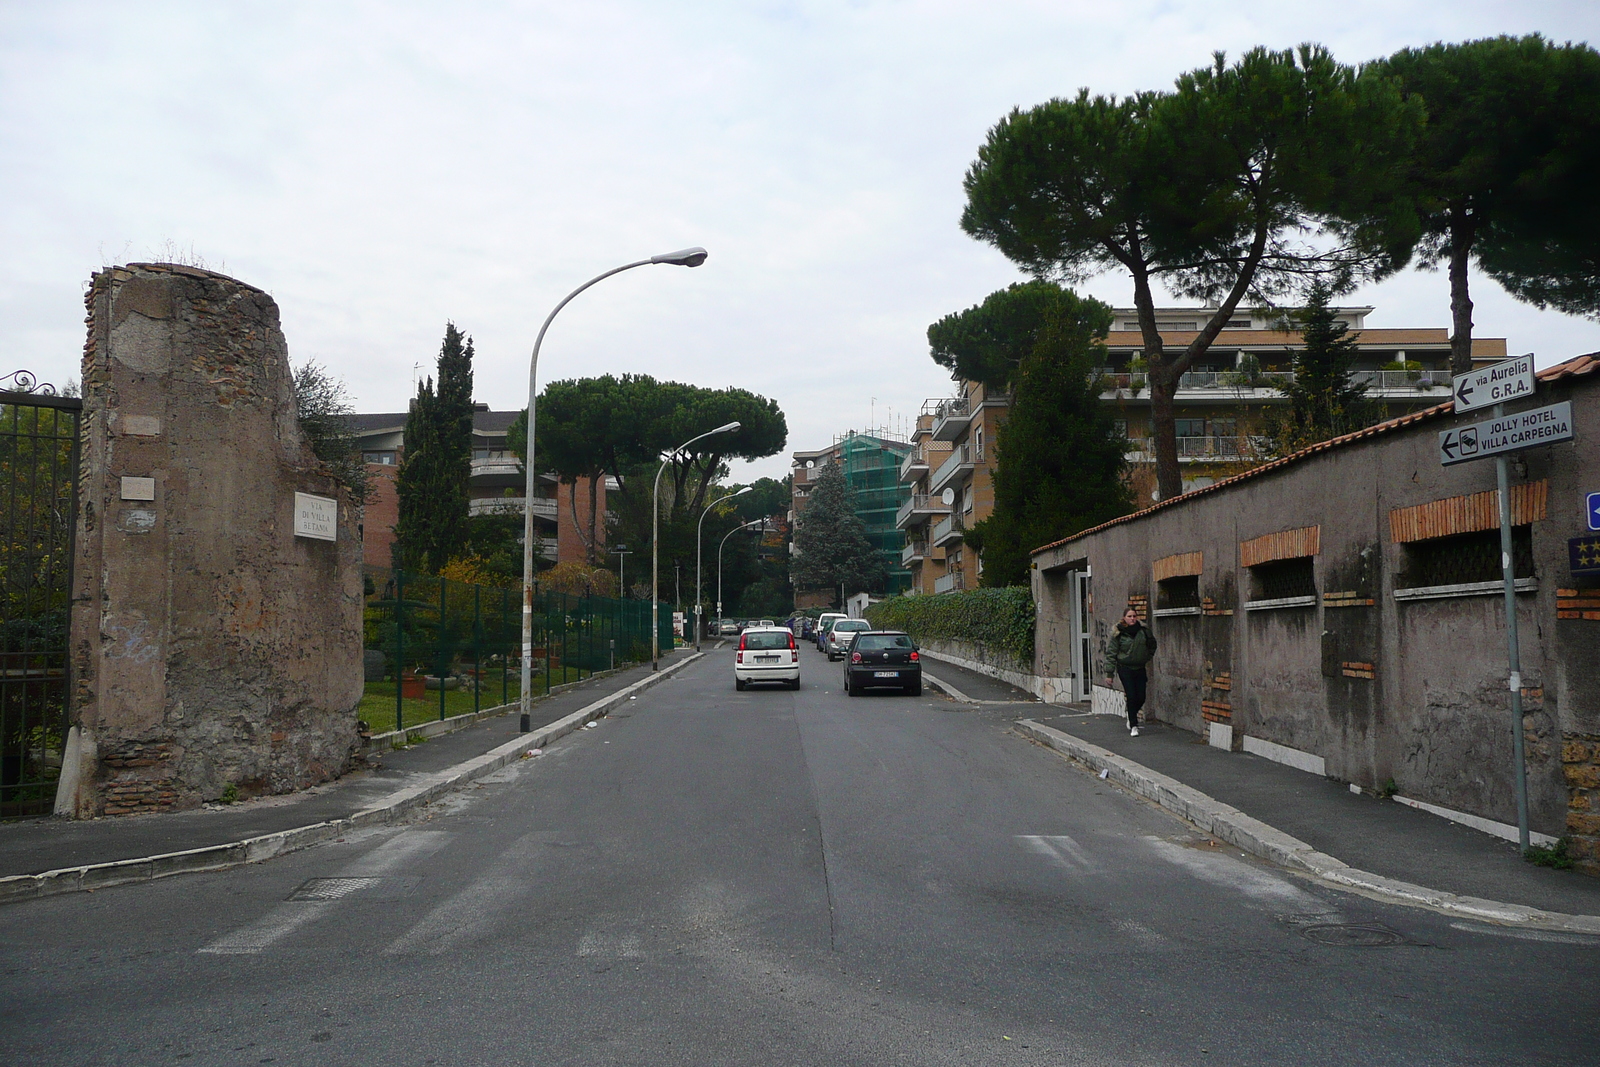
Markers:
730,533
687,257
699,529
655,539
622,552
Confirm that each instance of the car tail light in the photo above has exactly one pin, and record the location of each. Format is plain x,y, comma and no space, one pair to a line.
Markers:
791,643
741,643
739,656
855,657
914,656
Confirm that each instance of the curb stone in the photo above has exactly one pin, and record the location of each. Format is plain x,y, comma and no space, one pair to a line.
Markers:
94,876
1227,823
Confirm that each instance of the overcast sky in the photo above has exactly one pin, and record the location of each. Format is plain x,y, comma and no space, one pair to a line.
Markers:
381,168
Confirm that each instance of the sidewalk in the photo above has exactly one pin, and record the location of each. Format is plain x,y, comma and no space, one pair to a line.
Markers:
37,845
1386,839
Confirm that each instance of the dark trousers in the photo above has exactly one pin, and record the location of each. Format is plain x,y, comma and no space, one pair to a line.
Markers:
1133,684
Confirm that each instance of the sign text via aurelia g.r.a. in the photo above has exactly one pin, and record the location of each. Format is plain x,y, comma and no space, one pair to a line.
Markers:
1509,433
1486,386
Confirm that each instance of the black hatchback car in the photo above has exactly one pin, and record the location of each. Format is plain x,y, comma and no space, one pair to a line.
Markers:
882,659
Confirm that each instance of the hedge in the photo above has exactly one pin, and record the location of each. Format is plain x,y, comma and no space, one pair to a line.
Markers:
999,619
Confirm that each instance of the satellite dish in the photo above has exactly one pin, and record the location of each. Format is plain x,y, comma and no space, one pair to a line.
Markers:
948,496
810,463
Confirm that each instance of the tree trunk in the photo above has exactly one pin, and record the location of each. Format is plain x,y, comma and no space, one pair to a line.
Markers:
1461,237
1163,430
592,542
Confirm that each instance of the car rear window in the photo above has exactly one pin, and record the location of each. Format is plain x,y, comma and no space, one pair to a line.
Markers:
873,642
846,625
767,640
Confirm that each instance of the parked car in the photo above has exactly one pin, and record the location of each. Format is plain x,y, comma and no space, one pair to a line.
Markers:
882,658
827,619
766,623
766,654
841,633
728,628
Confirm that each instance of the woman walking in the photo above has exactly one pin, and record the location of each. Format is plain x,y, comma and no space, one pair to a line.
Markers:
1127,654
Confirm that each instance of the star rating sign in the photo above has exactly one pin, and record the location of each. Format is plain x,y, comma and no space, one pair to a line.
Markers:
1583,554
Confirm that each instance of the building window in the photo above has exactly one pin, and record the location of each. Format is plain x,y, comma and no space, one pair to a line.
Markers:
1190,427
1283,579
1465,558
1179,592
385,459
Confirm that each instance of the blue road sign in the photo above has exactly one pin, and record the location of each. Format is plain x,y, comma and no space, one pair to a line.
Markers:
1593,510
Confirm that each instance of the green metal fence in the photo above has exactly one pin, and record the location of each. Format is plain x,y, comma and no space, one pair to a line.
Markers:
437,648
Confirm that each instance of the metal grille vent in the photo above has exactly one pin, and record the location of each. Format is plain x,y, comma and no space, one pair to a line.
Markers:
1284,578
1464,558
331,888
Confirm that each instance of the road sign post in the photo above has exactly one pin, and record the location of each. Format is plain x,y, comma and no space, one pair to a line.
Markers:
1499,437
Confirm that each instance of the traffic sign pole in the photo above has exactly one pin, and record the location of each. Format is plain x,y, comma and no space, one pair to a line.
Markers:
1513,641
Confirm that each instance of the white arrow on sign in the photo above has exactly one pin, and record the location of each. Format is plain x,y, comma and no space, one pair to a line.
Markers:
1492,385
1509,433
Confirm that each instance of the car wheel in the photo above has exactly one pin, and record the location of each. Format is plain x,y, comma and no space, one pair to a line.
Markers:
849,690
795,685
914,690
739,683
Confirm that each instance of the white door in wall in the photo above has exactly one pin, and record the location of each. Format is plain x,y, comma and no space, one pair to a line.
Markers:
1082,636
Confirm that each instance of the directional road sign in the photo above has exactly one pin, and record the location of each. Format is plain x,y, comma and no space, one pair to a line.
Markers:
1592,508
1509,433
1488,386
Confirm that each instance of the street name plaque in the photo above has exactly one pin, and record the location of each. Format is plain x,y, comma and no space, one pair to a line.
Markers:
1511,379
316,517
1509,433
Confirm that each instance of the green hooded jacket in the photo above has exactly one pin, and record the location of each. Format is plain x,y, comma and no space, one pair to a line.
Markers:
1129,649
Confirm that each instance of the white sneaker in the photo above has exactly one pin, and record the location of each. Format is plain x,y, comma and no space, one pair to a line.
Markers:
1133,731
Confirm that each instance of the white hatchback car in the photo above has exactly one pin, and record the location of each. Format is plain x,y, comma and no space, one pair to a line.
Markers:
842,633
766,654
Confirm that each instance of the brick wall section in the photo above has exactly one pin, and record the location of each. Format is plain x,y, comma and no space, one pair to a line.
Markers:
1469,514
1580,761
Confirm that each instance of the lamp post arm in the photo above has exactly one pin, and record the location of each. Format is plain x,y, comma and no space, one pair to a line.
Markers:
655,534
525,696
699,530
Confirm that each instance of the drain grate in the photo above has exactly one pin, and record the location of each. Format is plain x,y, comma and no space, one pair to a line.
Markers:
1353,935
331,888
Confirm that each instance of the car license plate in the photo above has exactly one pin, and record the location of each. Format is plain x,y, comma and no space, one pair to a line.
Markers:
766,659
886,674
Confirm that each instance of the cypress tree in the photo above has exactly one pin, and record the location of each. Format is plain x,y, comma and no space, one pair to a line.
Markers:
432,481
830,541
1060,462
1323,401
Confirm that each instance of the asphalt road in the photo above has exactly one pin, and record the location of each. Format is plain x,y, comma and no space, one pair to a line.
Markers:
776,877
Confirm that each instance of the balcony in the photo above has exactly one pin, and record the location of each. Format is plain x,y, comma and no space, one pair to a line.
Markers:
953,582
918,510
950,418
961,461
1388,383
543,507
915,465
947,531
1215,449
914,551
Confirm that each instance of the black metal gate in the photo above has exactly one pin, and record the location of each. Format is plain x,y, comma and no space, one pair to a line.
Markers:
38,513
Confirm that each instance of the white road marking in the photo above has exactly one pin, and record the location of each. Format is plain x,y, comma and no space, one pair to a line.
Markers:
609,945
291,915
458,919
1061,850
1141,933
1242,878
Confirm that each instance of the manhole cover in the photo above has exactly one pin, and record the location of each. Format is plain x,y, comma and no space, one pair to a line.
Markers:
1344,935
330,888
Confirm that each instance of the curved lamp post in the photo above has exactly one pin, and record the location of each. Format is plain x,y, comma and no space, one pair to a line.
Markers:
688,257
730,533
655,539
698,530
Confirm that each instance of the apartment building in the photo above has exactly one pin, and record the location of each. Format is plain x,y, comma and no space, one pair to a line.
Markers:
1219,407
872,465
495,486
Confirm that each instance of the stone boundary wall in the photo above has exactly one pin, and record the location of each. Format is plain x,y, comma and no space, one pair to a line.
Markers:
1344,608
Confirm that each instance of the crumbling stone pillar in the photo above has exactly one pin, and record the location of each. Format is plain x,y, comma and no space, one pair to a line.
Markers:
213,645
